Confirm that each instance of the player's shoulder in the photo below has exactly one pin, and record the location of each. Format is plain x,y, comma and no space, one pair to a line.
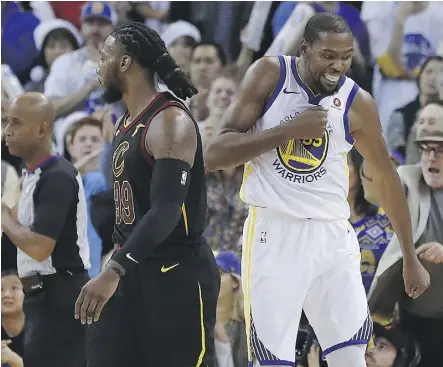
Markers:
268,64
262,78
363,102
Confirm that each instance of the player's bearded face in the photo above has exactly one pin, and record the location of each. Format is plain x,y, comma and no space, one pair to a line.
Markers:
111,83
328,60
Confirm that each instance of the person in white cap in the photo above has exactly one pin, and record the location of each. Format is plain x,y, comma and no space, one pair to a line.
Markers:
180,39
72,84
52,39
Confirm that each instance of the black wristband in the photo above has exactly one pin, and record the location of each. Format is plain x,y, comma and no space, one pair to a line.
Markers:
114,265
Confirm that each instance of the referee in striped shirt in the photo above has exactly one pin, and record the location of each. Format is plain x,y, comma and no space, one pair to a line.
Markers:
50,235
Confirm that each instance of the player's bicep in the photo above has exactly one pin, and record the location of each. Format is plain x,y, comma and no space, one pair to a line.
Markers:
247,107
367,132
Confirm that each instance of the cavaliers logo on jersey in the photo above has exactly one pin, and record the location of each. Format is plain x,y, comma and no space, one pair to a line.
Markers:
304,156
118,161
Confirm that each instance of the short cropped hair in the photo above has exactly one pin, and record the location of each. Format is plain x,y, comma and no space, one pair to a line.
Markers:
324,23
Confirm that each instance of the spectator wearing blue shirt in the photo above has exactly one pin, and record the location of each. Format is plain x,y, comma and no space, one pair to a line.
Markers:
84,143
18,48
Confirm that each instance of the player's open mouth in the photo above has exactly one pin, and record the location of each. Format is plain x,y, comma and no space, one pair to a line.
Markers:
331,78
433,170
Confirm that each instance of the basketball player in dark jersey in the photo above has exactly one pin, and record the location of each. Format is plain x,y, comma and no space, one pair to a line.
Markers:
154,304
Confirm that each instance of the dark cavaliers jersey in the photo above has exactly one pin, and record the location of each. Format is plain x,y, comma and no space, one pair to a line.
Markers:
132,169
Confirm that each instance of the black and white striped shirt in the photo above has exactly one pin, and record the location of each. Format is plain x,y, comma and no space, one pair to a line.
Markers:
53,204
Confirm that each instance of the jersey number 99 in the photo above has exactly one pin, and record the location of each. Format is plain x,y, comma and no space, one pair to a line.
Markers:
124,203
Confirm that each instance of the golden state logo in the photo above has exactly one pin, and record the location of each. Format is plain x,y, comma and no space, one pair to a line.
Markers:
118,161
301,160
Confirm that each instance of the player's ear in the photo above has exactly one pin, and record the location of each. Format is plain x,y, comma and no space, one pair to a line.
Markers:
304,46
125,63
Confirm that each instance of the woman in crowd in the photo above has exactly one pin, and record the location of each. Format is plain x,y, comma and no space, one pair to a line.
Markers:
13,319
84,144
230,332
401,128
370,223
52,39
226,212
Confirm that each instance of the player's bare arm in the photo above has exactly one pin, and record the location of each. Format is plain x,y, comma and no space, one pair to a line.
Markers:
231,145
366,130
172,141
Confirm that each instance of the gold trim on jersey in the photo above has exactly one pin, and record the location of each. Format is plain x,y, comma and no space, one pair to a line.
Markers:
247,262
246,173
202,327
345,161
185,218
138,127
126,123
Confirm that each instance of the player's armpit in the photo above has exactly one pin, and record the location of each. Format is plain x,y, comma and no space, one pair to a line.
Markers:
231,145
366,130
172,134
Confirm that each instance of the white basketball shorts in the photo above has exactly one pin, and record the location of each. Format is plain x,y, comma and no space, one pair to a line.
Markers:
289,265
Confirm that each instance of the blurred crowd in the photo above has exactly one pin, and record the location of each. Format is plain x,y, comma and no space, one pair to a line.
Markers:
52,48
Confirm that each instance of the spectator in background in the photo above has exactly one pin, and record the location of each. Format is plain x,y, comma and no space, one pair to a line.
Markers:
402,36
10,188
422,317
180,39
85,144
401,124
207,61
230,331
53,38
220,96
154,13
72,83
13,319
391,349
68,10
370,223
226,212
18,49
14,161
222,22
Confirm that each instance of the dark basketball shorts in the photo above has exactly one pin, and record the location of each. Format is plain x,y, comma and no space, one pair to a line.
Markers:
162,315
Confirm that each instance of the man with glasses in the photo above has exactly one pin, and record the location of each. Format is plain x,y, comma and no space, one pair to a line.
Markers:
422,317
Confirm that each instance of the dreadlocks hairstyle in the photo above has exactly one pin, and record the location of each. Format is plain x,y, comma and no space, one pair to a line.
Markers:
324,22
146,46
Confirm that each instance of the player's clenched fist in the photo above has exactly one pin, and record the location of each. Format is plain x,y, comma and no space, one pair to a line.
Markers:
309,124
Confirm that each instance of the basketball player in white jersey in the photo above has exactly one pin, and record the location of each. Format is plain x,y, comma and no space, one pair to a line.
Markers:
292,124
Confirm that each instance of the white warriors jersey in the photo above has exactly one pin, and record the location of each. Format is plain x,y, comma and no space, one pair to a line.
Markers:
303,178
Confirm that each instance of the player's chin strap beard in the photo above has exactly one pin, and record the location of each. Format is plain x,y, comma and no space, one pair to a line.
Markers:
318,87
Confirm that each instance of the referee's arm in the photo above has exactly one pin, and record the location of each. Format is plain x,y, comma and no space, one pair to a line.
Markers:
52,201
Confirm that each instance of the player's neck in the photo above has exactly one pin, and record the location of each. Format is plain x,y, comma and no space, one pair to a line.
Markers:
305,76
138,96
13,324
